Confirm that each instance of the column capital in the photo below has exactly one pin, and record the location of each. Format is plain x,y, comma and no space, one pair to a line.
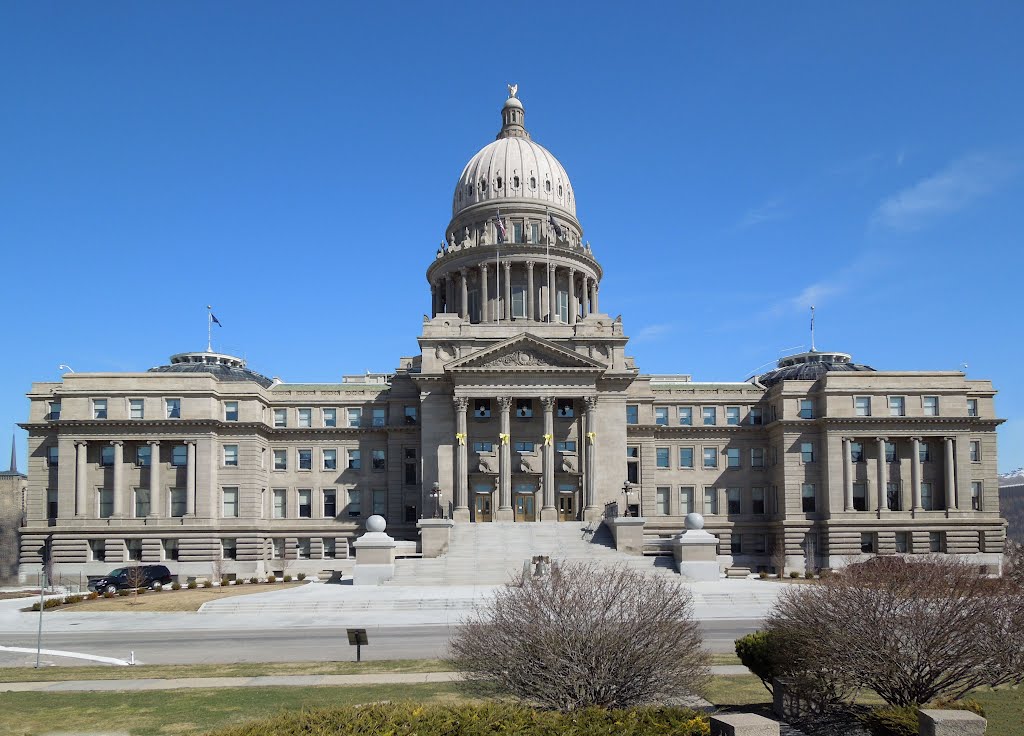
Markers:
507,264
190,442
81,443
461,402
847,440
591,402
949,439
463,270
548,402
915,439
116,443
504,402
531,263
152,442
551,267
881,439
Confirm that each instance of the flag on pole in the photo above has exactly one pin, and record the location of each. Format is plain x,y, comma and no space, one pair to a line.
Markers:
554,225
214,318
500,224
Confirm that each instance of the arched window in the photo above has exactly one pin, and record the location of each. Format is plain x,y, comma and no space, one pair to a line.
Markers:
515,182
547,185
559,190
533,182
483,184
500,182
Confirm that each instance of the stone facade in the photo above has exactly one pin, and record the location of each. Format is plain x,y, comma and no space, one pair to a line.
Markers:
522,405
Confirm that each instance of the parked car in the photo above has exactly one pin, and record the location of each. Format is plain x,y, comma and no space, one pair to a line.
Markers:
141,576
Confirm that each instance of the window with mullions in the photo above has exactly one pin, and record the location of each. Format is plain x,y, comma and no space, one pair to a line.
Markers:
519,301
661,457
144,456
330,457
173,408
305,459
305,417
732,415
860,497
378,460
709,415
661,416
481,408
230,411
136,409
280,459
807,452
563,307
732,457
632,414
330,417
483,447
567,446
524,446
733,500
710,457
564,408
809,501
757,501
231,456
890,452
806,409
686,457
685,416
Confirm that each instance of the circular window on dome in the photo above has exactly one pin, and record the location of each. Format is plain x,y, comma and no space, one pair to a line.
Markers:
547,185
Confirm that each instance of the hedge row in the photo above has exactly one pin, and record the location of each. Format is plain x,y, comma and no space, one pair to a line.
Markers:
409,719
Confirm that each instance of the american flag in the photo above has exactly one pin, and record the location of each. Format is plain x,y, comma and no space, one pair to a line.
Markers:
554,225
500,224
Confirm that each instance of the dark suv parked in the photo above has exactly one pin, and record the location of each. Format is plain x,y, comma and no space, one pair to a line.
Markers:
143,576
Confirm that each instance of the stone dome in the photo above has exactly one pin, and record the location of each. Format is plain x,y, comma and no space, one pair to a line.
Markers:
514,169
810,366
221,366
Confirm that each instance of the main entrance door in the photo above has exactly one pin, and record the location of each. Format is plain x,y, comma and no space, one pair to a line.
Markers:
523,503
567,507
482,509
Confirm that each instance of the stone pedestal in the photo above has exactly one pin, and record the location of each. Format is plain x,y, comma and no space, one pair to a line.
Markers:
743,724
950,723
460,515
696,551
629,534
504,515
375,554
435,535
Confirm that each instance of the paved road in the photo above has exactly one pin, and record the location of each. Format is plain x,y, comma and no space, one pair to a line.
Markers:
288,644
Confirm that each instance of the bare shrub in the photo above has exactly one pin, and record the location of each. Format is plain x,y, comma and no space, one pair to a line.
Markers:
910,631
582,636
1013,562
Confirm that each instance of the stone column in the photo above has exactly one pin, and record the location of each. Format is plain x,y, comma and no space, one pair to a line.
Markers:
449,293
81,478
586,295
883,490
155,494
485,312
464,296
190,478
505,462
593,300
573,310
120,500
591,438
548,510
915,472
552,295
530,313
847,476
950,490
433,299
506,310
461,512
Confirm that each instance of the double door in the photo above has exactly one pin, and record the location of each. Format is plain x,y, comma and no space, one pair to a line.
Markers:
482,507
567,507
524,506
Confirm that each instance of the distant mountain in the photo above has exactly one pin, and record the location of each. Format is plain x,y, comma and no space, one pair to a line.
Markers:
1013,478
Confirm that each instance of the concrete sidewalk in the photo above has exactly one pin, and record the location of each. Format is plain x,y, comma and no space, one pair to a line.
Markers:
185,683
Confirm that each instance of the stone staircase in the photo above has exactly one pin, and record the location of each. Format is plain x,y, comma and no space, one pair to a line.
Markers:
494,553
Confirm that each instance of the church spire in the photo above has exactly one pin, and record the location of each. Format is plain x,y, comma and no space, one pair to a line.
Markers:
14,455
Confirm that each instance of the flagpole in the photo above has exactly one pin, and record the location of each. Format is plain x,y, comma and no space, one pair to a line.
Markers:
497,267
209,328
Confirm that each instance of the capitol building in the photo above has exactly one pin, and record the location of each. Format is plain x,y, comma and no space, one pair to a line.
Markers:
522,406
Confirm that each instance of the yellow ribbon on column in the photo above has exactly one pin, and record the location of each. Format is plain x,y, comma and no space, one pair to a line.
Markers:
547,440
504,438
461,437
591,436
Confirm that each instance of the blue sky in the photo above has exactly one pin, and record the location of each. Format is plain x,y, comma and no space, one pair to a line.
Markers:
293,165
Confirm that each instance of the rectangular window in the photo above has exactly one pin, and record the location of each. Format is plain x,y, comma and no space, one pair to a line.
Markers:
280,459
534,232
760,544
736,543
330,548
860,497
935,541
229,549
757,501
179,502
305,417
686,457
355,459
710,500
892,491
230,503
902,542
99,408
303,548
972,408
280,417
632,414
136,409
305,455
380,416
355,502
757,457
661,416
565,408
806,409
809,502
862,406
733,497
305,503
53,456
927,498
756,416
412,415
709,413
330,459
518,300
481,408
524,446
710,457
330,416
732,457
807,452
355,417
524,408
976,489
857,452
563,307
377,460
567,446
732,416
173,408
924,452
686,500
633,464
661,457
410,466
142,503
380,503
170,549
280,503
279,548
517,233
975,450
483,447
330,503
231,456
134,549
98,549
930,404
867,542
890,452
106,503
54,414
230,411
897,406
685,416
144,456
107,456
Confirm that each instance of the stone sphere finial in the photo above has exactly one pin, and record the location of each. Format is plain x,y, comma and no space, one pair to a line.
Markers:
377,523
694,521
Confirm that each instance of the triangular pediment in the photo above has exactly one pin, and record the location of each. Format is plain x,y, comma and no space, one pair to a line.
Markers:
525,353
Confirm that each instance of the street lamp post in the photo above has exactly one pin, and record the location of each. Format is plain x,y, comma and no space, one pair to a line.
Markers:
626,488
436,495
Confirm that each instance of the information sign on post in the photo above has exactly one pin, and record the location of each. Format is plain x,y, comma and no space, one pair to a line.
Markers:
357,638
